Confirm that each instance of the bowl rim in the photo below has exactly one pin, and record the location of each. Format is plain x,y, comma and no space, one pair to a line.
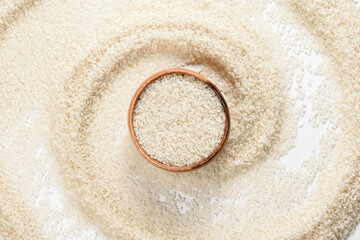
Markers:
135,98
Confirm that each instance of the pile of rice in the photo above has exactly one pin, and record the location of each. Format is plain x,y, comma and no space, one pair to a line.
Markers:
68,167
179,120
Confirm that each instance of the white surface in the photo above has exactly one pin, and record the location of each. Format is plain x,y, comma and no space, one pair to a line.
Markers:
356,234
307,138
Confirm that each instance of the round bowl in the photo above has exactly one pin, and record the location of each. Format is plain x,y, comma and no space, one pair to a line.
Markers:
157,163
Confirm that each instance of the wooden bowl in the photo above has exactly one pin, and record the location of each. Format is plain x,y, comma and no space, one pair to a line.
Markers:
138,145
